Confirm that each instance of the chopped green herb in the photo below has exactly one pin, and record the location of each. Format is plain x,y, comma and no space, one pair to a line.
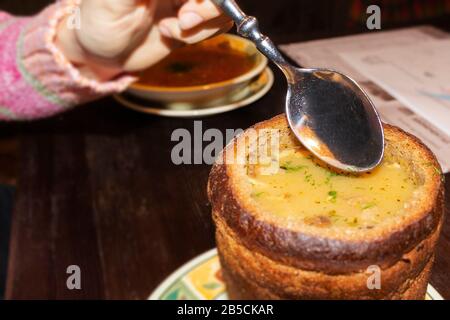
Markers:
330,174
369,205
257,194
332,195
291,168
309,179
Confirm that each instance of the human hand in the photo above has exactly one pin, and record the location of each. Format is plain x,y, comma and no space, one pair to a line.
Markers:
117,36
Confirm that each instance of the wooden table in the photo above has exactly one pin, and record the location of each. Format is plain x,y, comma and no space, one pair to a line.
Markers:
97,189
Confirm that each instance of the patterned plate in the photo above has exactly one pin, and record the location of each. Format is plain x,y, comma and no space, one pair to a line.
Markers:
200,279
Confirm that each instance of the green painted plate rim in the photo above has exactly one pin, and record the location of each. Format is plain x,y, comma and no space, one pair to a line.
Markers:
176,276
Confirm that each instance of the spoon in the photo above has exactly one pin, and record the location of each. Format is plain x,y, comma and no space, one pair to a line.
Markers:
328,112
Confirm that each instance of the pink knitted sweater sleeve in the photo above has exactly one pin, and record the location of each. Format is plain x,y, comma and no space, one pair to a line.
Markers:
36,80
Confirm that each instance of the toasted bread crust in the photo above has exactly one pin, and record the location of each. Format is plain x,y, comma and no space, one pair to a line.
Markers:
251,275
240,230
239,288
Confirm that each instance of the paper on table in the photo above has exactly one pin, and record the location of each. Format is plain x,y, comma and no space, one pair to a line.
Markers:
417,75
409,121
327,53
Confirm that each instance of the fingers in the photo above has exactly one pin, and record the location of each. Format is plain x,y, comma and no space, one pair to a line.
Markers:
153,49
196,12
196,21
170,28
111,28
118,8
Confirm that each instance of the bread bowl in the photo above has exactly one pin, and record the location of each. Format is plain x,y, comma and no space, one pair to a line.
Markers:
307,244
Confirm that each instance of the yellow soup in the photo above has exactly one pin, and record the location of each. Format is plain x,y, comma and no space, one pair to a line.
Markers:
303,189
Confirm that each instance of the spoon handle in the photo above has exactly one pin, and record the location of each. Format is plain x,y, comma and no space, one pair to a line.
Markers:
248,27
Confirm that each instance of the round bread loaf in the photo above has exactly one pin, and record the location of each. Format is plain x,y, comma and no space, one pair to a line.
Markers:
282,246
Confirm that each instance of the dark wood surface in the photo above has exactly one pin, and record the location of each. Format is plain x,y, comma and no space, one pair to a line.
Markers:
96,188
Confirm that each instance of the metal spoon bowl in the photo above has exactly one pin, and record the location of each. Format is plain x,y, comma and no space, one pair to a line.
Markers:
327,111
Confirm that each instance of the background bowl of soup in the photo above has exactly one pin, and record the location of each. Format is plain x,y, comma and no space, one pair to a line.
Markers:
201,74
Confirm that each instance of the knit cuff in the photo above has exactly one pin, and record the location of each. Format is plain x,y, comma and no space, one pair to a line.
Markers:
49,71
